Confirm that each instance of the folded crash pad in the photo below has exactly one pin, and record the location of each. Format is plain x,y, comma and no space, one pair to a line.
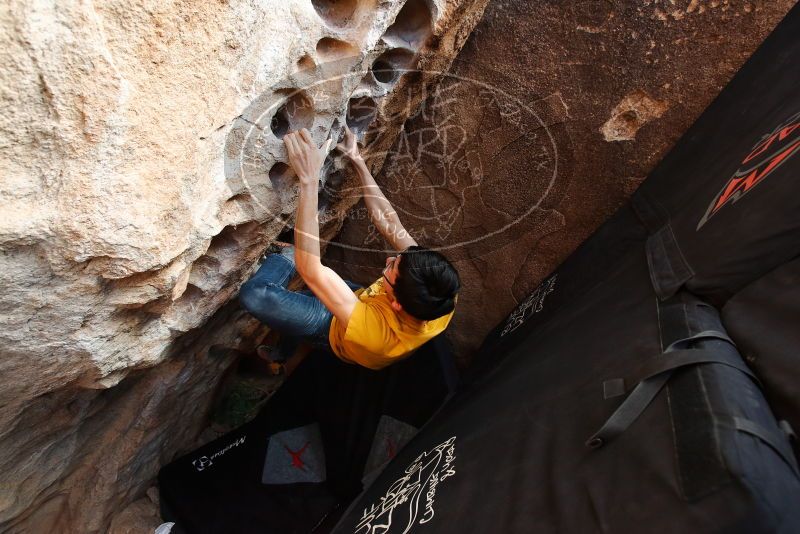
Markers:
296,466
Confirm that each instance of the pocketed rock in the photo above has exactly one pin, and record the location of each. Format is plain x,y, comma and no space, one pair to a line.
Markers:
126,223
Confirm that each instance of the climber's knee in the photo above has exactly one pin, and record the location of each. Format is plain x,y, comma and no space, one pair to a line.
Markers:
261,300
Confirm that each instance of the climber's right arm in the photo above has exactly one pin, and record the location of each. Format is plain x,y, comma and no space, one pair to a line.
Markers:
381,212
306,161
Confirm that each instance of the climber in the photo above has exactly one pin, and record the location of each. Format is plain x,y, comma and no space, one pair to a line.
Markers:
409,304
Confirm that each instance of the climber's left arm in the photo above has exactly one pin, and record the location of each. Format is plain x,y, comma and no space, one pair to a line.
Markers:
306,160
381,212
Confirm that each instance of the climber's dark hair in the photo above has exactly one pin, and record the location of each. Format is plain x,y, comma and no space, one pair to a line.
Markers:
426,284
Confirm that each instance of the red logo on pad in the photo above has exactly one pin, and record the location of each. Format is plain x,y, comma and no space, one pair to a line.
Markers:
773,150
297,460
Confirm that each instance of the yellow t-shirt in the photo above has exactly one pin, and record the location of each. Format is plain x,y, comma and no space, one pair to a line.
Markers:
377,335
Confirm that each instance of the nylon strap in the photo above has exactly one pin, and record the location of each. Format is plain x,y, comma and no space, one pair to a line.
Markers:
629,410
701,336
673,360
649,380
669,270
777,442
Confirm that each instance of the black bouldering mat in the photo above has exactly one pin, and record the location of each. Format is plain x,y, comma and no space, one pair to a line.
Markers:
513,452
303,458
615,398
764,320
722,206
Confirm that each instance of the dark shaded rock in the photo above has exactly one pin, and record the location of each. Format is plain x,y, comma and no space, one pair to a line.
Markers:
547,121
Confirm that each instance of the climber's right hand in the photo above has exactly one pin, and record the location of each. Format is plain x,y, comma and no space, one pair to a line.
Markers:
304,156
348,147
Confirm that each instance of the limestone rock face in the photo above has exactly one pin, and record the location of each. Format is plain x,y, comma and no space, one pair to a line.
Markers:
547,121
143,174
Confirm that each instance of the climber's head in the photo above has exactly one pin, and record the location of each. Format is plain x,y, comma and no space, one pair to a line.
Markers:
422,282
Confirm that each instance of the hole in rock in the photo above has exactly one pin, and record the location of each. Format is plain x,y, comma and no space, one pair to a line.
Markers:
296,113
327,168
390,65
211,271
360,113
324,200
243,198
189,299
340,136
335,12
224,243
306,62
383,71
412,26
287,234
281,176
329,49
330,192
629,118
279,124
237,209
331,178
335,180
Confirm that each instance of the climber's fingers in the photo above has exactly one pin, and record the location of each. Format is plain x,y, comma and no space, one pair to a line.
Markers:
348,142
295,150
299,145
306,137
288,141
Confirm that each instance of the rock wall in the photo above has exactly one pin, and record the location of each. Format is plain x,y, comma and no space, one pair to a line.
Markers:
547,121
143,176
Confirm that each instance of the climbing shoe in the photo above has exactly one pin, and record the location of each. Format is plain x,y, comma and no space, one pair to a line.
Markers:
270,353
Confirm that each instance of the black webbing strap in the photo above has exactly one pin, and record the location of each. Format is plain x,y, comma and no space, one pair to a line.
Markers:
672,360
701,336
779,443
629,410
669,269
649,379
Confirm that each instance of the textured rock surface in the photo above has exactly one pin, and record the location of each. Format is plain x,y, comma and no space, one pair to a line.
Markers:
143,175
140,516
553,114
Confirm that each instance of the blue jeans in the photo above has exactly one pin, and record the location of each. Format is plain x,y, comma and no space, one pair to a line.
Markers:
296,315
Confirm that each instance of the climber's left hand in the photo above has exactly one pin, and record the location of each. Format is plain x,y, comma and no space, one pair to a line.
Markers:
304,156
349,146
